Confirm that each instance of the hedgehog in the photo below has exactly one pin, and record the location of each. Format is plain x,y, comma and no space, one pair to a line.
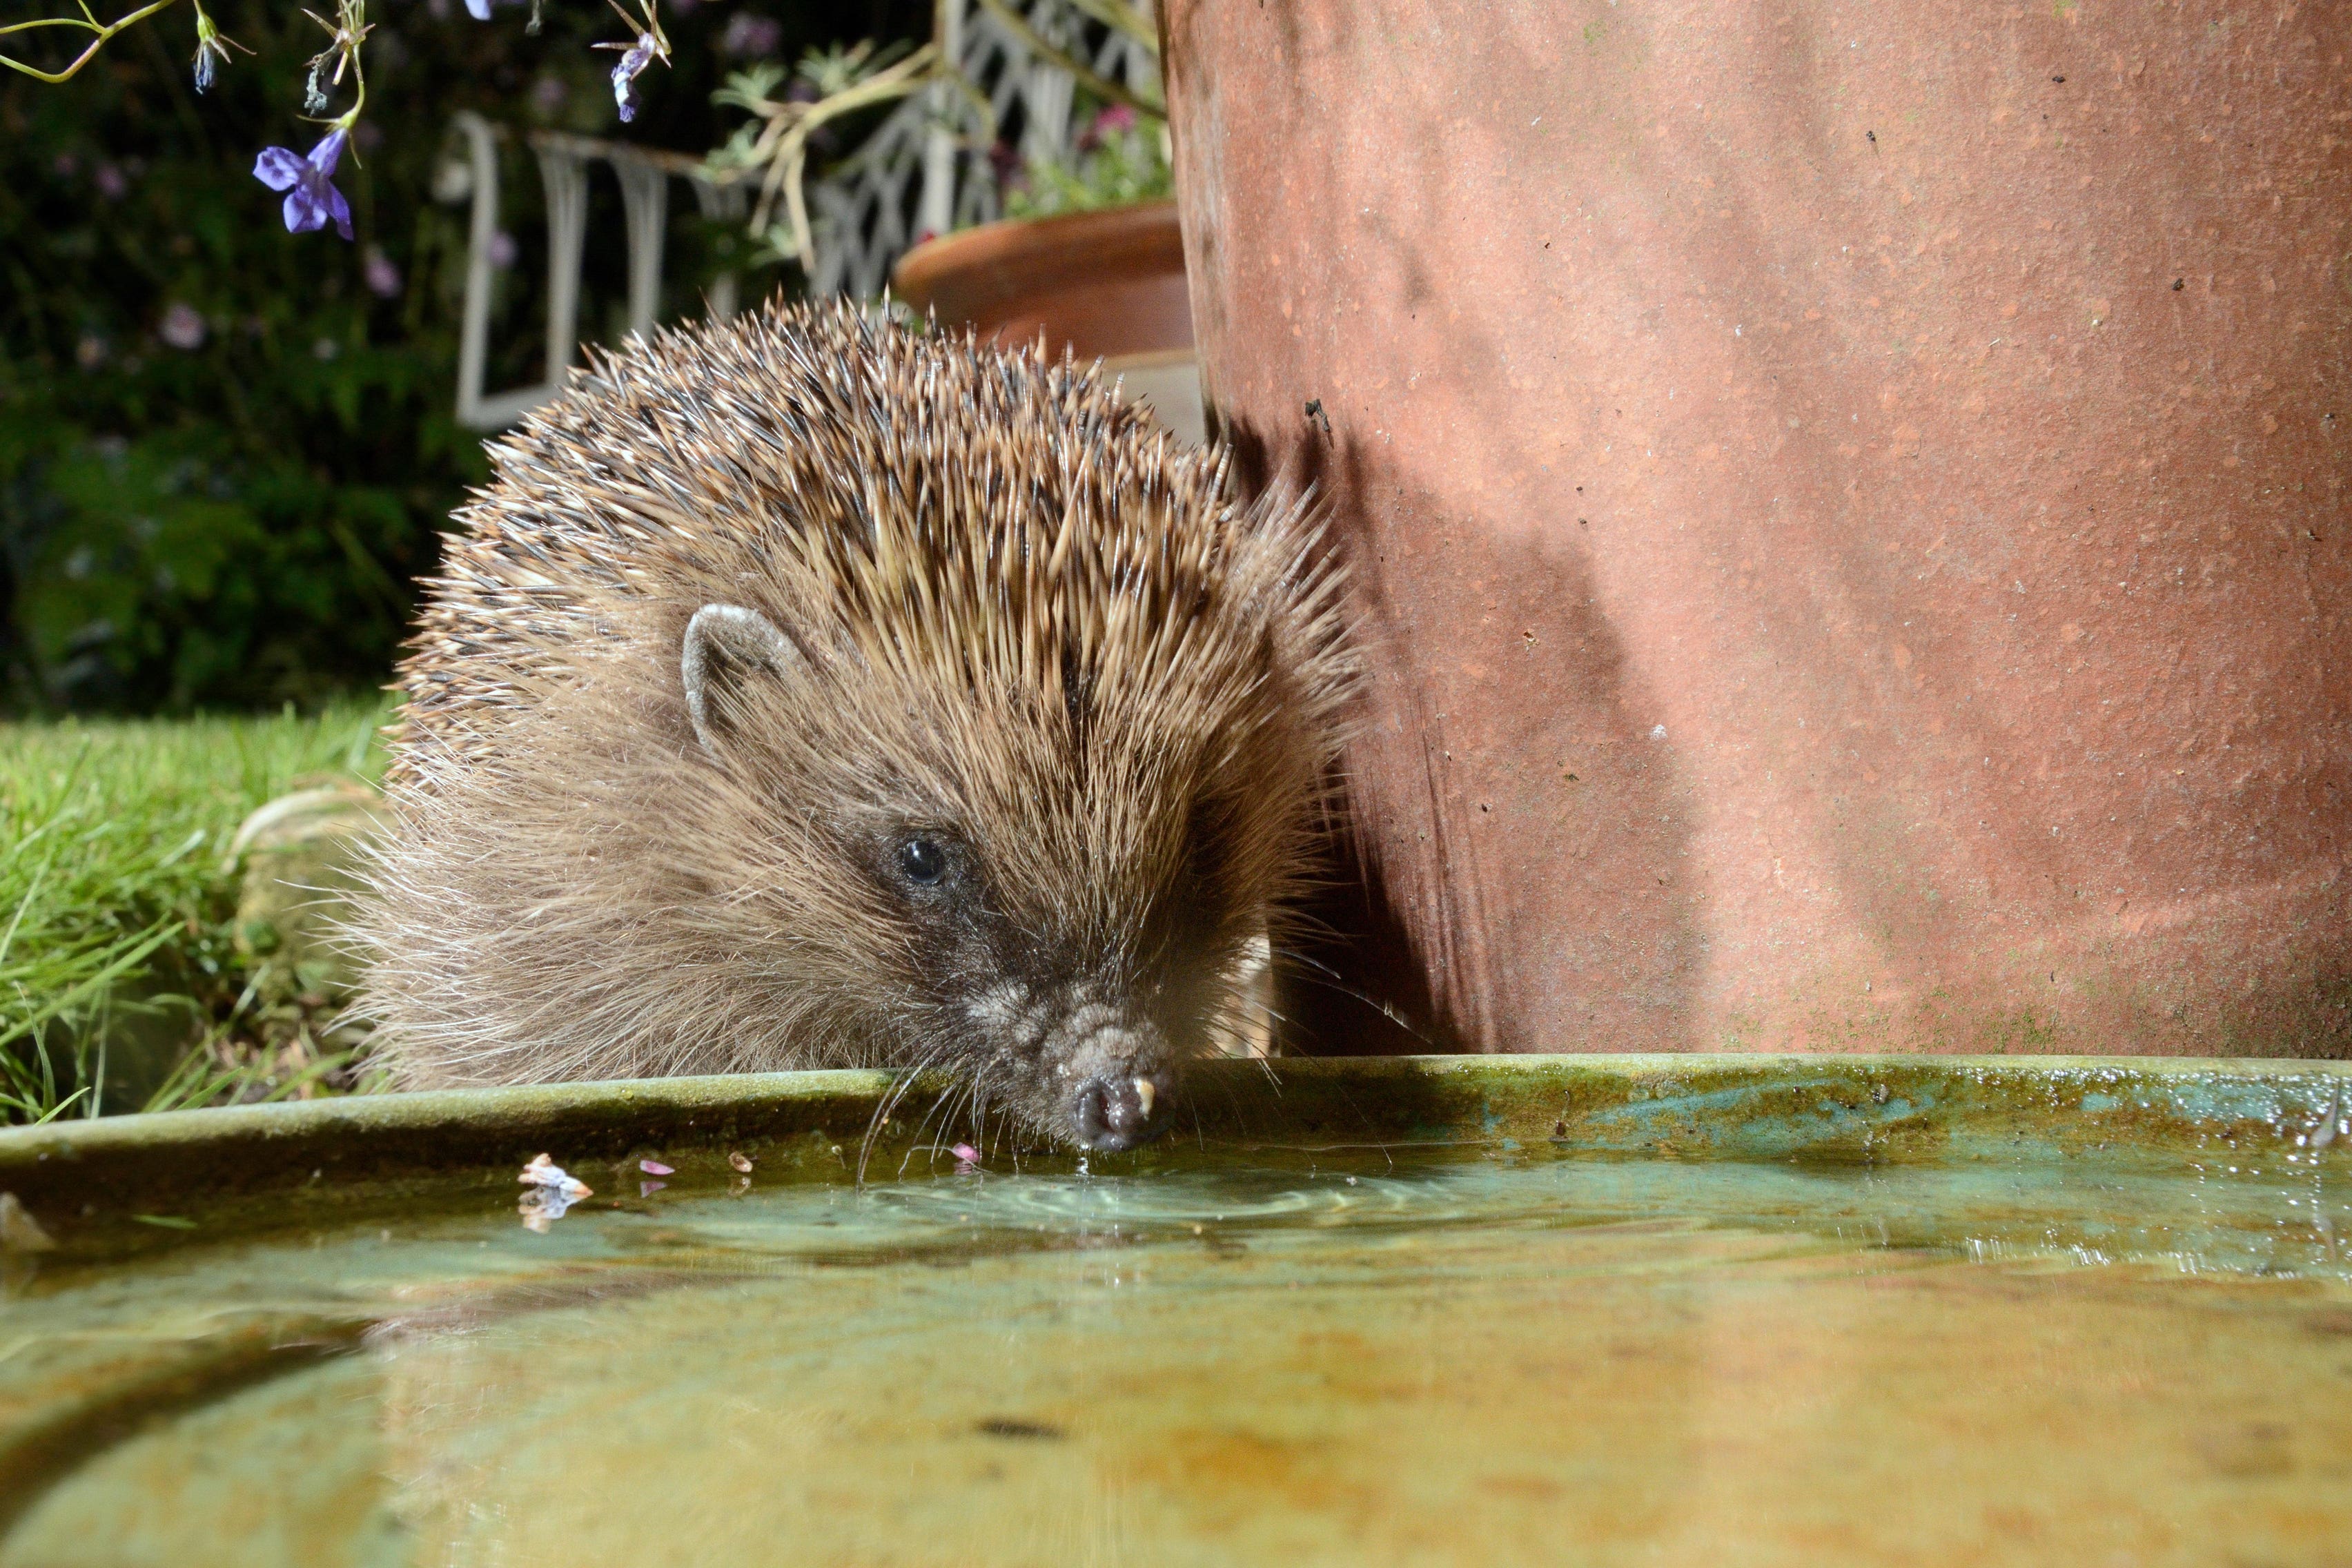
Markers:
810,690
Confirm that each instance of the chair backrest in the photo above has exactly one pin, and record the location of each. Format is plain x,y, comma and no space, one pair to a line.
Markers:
645,176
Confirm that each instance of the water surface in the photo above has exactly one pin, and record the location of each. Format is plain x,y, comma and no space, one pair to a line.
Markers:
1485,1355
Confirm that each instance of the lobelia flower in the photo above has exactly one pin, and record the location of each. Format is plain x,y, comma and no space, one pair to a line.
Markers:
312,198
625,75
212,50
209,53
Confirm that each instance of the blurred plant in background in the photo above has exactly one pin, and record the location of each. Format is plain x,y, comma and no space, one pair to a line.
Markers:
227,451
1122,159
829,85
828,108
223,453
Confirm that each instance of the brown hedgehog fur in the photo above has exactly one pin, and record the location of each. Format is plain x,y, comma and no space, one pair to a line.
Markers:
1023,640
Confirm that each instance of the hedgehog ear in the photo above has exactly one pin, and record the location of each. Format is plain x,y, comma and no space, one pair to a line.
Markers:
724,644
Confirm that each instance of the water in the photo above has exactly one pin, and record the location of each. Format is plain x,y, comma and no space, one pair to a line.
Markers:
1467,1356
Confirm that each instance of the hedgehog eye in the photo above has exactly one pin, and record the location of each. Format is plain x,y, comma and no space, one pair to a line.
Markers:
922,862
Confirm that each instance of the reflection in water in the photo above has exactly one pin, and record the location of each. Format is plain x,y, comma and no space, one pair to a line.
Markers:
1450,1358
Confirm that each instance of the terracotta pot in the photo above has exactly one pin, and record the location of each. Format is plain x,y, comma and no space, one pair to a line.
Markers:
1849,504
1105,285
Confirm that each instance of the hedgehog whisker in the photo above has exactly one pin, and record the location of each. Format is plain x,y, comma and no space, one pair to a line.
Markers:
1382,1008
940,1107
889,1103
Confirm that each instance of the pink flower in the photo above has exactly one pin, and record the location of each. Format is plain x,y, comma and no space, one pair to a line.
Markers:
181,327
751,36
382,275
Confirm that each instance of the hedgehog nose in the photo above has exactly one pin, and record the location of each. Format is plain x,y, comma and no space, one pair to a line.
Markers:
1115,1113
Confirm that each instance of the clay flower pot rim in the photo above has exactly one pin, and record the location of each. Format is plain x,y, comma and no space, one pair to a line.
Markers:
973,273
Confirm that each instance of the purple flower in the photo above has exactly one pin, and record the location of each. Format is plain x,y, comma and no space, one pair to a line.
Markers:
312,198
110,182
649,47
212,49
625,75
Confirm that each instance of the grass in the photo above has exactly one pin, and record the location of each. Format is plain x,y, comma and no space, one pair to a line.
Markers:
122,985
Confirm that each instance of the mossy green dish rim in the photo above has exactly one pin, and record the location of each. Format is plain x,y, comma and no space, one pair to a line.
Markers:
2129,1112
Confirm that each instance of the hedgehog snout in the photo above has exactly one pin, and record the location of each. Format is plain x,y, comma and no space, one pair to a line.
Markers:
1109,1074
1111,1113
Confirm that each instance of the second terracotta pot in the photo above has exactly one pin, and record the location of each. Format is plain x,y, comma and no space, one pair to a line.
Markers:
1106,285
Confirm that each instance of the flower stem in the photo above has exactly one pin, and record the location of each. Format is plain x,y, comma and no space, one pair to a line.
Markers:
105,31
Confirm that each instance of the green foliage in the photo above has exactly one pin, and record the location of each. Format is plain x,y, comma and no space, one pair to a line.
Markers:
1121,160
117,913
222,456
227,452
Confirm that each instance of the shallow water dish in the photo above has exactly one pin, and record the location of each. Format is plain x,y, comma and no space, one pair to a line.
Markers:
1664,1309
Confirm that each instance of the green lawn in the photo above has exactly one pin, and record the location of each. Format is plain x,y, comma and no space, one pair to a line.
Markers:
122,985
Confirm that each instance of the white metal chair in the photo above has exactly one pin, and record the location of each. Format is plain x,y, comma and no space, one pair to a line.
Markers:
645,176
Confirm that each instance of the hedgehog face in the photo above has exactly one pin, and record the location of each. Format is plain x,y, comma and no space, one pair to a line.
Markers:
1050,894
1066,1048
1069,1039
